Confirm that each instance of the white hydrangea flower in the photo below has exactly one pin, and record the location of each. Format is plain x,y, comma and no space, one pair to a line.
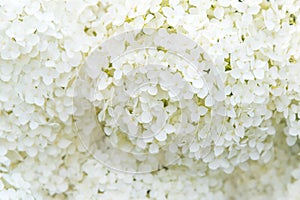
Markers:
255,48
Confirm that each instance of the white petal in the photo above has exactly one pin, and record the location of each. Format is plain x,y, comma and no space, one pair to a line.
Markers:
209,101
214,164
202,93
291,140
3,150
32,151
294,131
133,129
219,12
296,173
240,131
153,148
259,73
254,155
162,136
118,74
219,150
169,128
33,125
194,147
198,83
202,110
64,143
152,90
146,117
28,141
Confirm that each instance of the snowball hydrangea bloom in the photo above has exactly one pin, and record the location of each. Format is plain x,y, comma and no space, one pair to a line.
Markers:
245,135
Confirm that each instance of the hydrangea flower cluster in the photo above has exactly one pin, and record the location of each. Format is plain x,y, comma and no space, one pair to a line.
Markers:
150,97
56,90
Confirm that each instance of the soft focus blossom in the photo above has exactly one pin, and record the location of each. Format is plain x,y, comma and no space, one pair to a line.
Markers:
243,141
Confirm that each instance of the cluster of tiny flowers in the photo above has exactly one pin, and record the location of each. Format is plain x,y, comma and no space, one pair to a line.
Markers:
251,152
148,99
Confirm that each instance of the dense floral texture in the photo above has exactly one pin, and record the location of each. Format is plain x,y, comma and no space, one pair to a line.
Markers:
254,45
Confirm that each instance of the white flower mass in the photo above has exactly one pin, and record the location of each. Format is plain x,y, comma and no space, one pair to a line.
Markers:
160,99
